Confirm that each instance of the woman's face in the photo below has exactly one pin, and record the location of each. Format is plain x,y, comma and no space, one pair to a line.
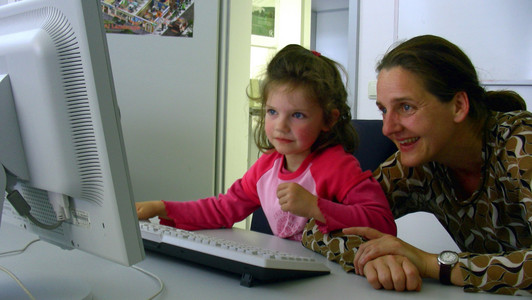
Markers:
415,120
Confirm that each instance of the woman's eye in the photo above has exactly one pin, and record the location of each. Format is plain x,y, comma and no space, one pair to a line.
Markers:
408,109
271,112
298,115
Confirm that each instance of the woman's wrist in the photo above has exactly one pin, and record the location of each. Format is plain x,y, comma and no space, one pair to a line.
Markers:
456,275
432,268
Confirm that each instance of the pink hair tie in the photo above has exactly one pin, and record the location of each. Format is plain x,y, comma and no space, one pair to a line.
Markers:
315,53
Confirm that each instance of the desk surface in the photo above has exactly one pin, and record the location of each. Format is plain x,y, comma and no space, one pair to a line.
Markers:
45,266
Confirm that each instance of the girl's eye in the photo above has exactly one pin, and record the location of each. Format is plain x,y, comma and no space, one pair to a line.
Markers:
271,112
298,115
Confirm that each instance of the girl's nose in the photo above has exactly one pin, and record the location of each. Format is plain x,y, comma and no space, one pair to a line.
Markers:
282,124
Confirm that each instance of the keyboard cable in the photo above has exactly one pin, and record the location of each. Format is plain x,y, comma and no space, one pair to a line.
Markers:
161,283
15,278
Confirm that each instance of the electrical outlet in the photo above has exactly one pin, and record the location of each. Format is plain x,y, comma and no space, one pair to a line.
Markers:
372,90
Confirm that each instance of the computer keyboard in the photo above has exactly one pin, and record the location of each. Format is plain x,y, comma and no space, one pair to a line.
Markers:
254,264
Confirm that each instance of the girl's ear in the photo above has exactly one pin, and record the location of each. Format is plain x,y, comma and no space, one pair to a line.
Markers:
335,114
461,106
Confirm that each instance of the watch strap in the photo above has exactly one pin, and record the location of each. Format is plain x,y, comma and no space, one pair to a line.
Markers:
445,273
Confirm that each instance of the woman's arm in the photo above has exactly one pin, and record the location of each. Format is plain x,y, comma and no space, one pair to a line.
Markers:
503,273
389,263
364,205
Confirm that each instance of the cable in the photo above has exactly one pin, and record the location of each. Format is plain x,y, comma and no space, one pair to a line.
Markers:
161,283
42,225
13,275
19,250
18,282
23,209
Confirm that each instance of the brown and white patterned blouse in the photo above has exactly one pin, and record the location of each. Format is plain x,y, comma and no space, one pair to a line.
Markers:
493,227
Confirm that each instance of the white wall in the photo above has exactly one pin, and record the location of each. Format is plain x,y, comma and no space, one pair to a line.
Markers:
167,92
334,30
495,35
376,34
498,37
331,34
237,47
293,28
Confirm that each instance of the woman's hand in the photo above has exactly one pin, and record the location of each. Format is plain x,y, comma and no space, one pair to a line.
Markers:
150,209
393,272
391,262
380,244
296,199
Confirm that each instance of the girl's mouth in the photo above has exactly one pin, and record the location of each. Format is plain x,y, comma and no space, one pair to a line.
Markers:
284,141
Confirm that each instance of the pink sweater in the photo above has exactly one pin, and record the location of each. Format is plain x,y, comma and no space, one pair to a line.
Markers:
347,197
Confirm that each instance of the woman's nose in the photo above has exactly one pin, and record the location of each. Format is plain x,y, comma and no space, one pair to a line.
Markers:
390,124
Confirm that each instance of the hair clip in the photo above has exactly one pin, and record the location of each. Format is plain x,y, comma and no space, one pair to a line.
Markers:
315,53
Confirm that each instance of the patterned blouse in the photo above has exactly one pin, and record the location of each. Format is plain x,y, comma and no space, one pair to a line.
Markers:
493,227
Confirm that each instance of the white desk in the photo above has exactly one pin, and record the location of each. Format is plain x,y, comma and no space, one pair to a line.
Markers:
40,266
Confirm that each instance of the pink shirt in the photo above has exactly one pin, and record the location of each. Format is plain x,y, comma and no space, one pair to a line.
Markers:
347,197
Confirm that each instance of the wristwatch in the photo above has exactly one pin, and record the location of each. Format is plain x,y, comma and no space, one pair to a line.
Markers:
447,259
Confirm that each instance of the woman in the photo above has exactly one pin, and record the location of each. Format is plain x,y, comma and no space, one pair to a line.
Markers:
461,159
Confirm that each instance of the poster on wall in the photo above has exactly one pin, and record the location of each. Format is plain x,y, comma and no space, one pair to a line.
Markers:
263,18
264,21
155,17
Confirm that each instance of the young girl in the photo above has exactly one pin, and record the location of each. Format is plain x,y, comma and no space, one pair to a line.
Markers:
306,170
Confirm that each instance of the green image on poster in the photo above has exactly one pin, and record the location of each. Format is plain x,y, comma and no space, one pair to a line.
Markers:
263,21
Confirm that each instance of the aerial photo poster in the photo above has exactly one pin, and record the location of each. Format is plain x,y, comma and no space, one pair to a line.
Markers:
156,17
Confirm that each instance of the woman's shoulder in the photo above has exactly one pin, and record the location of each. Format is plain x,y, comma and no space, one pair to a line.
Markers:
506,124
511,117
392,174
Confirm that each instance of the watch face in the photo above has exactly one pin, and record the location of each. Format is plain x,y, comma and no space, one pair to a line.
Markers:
448,257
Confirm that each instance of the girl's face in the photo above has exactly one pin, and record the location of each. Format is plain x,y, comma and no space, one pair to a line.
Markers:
293,122
418,123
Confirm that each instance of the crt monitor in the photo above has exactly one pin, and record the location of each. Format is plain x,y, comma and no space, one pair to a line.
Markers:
62,155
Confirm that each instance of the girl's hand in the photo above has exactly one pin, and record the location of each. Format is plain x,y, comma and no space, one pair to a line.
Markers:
295,199
150,209
381,244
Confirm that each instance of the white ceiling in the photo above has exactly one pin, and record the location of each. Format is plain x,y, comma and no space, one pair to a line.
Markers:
322,5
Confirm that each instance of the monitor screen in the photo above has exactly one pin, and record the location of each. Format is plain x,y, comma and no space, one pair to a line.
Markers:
61,145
